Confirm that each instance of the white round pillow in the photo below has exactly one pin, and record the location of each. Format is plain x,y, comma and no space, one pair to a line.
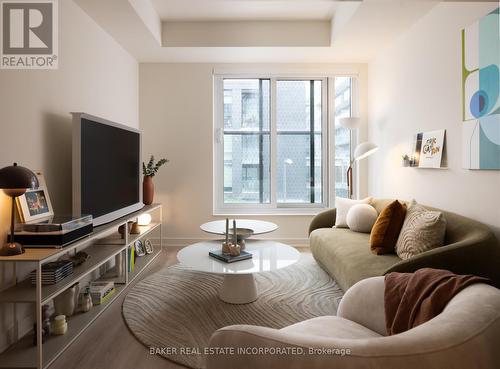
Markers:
361,217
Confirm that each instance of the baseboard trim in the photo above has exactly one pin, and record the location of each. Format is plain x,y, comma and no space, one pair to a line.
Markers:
181,242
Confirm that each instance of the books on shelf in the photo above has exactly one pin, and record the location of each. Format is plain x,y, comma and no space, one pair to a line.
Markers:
54,272
100,292
217,254
131,259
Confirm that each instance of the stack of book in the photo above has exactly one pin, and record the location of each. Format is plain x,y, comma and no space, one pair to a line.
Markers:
100,292
54,272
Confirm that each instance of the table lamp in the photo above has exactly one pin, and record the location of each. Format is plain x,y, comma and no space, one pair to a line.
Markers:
15,180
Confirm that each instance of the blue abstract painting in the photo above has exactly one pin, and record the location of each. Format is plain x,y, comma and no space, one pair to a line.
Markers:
480,93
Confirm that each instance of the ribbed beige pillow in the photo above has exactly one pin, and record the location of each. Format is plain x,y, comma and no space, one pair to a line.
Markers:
422,230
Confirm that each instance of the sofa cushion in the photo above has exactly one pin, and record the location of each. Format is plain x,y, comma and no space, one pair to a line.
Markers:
422,230
343,205
361,217
328,326
345,255
385,231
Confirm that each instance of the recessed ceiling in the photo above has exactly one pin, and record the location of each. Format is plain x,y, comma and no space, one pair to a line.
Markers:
235,10
235,31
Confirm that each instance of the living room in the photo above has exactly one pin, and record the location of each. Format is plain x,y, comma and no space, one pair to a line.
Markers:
309,123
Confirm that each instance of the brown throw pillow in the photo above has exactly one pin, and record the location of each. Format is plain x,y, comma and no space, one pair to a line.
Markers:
385,231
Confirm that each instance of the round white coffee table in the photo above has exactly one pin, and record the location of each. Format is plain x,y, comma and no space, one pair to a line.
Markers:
258,226
239,286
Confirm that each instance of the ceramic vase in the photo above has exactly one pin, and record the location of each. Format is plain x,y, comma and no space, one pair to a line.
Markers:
148,190
85,302
119,265
66,302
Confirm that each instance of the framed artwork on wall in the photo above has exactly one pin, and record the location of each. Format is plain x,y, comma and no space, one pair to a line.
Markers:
35,204
429,150
481,93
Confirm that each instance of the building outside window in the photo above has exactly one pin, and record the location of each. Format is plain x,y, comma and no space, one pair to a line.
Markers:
343,108
272,140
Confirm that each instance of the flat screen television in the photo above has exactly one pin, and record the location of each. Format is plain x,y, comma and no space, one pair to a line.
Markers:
106,168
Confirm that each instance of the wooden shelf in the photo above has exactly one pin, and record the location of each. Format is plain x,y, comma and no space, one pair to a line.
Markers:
141,263
23,353
25,291
144,231
48,254
102,245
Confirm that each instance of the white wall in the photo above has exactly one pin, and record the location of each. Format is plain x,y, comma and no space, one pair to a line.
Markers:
95,75
415,86
176,114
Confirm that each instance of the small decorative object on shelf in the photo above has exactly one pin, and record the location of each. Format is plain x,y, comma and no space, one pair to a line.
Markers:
406,160
144,219
66,302
59,325
139,248
35,204
79,258
15,180
85,303
148,245
135,229
149,172
45,325
119,264
101,292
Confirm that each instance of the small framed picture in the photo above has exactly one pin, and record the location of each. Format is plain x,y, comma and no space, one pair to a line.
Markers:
148,245
35,204
139,248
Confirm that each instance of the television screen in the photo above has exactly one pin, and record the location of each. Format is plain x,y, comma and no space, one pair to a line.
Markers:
109,165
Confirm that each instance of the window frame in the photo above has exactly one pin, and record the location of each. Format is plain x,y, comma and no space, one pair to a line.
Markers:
327,150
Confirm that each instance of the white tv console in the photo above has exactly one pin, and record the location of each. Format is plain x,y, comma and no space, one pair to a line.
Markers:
102,245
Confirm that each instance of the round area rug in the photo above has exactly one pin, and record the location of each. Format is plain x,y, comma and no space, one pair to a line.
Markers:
176,310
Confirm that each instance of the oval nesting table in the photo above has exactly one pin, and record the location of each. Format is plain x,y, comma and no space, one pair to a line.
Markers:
239,286
257,226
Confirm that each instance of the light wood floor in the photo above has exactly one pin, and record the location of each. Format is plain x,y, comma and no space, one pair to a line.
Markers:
108,344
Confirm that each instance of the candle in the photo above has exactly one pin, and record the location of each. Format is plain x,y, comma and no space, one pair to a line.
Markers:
227,230
235,240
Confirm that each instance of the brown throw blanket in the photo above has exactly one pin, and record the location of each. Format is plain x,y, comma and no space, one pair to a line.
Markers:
414,298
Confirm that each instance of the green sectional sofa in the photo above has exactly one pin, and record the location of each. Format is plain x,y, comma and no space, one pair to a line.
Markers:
470,247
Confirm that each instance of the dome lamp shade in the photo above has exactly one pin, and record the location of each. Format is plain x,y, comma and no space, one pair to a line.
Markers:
15,180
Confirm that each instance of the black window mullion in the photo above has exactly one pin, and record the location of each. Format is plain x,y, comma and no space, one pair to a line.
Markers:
311,138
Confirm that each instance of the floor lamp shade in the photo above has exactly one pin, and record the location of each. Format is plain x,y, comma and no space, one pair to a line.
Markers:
14,181
364,150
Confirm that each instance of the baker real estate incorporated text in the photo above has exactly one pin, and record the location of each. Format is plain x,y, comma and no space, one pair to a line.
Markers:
250,350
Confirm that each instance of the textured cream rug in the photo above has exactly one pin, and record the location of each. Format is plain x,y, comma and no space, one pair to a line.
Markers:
176,310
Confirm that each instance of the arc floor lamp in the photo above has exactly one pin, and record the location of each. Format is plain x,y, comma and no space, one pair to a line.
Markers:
363,150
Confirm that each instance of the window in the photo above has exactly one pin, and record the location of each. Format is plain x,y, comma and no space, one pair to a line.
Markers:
343,108
271,143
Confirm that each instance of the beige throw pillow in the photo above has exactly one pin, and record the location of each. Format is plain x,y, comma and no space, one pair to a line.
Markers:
422,230
343,205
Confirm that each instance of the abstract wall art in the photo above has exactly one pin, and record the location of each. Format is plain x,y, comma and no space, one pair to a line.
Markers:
480,93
